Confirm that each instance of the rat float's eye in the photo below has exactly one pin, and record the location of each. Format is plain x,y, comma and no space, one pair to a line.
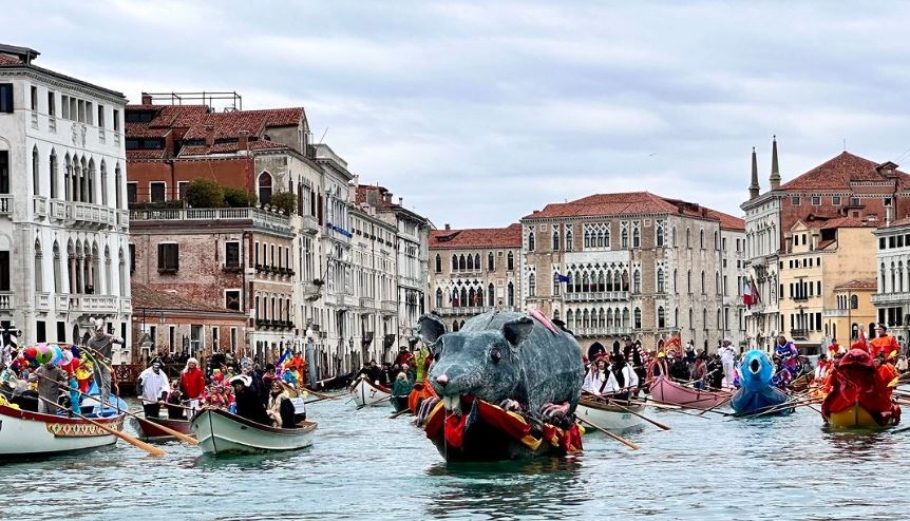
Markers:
496,355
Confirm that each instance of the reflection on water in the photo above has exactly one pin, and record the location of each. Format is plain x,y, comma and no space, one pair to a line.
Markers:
365,466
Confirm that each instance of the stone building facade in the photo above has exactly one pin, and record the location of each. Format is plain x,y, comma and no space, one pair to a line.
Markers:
63,215
844,186
473,271
892,278
637,264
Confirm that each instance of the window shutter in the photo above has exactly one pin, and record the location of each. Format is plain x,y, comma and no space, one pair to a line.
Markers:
176,253
161,253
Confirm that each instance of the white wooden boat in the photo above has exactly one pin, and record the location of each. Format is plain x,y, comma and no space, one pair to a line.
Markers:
365,393
27,434
609,416
220,432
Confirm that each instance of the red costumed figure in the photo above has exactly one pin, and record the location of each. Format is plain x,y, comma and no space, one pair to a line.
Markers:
858,392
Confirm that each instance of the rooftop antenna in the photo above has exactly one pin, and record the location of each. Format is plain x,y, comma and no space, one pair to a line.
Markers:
323,135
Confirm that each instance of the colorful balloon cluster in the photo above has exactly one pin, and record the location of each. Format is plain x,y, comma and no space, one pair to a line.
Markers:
42,353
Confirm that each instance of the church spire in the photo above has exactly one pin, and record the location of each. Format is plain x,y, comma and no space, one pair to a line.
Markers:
775,171
754,189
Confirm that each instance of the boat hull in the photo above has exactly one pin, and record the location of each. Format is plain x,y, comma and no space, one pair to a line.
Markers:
746,402
855,417
666,391
608,416
26,435
220,432
150,429
366,394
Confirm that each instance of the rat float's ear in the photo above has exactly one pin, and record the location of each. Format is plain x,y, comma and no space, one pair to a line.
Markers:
430,329
516,331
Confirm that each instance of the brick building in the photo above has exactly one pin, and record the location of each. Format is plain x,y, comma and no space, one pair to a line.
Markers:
239,259
638,264
63,217
474,271
844,186
170,321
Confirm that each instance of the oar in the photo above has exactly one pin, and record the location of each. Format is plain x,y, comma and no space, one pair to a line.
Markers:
642,416
718,404
320,395
610,434
374,403
399,413
179,435
778,408
151,449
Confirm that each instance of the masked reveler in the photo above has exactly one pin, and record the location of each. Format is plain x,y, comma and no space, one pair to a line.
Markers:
788,355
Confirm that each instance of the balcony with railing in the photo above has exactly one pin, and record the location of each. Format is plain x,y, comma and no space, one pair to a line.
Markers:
390,306
260,218
604,296
601,331
123,218
93,304
6,204
367,302
126,305
39,206
58,209
799,334
92,214
835,312
42,301
310,225
7,300
879,299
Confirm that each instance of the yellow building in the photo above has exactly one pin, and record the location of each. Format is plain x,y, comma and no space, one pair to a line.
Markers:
820,257
853,310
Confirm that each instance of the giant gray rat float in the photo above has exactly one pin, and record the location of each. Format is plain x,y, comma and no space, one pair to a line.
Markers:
509,359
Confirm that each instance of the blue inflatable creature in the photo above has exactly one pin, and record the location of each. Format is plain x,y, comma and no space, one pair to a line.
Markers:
757,393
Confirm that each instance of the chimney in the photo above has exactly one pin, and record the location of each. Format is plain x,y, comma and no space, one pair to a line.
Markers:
400,201
146,98
775,171
209,135
244,140
448,226
754,188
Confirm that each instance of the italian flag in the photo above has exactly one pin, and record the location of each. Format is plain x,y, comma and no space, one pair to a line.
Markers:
748,294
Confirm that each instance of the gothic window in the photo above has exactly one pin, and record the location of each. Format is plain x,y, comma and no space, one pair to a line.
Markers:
36,174
438,263
556,240
676,318
624,235
438,298
53,174
117,182
659,233
470,262
462,264
103,183
555,284
601,282
39,272
610,318
570,319
569,239
660,280
265,188
625,317
510,264
703,282
477,261
531,285
637,318
491,295
675,280
58,269
688,238
636,282
701,239
636,234
531,240
511,295
491,263
464,298
688,281
661,318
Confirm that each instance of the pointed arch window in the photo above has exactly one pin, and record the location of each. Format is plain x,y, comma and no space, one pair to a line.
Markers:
701,239
703,289
462,263
555,240
531,240
602,318
511,295
103,183
532,285
660,280
454,262
491,262
569,245
661,318
636,282
491,295
58,269
464,298
676,318
637,318
636,237
438,298
36,172
122,273
570,319
39,271
438,263
556,284
510,263
470,262
477,262
118,179
625,317
265,188
53,175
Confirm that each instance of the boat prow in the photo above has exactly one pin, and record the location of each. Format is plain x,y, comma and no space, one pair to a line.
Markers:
612,417
28,435
220,432
366,393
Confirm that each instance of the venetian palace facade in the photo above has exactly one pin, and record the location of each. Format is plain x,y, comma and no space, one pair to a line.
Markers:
607,265
817,231
63,214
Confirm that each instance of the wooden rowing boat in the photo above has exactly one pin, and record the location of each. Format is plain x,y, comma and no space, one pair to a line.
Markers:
665,390
857,417
148,430
27,434
366,393
220,432
609,416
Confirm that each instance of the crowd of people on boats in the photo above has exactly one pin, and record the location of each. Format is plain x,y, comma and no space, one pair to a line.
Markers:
629,369
399,377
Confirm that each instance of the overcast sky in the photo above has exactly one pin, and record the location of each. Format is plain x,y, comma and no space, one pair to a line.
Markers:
478,113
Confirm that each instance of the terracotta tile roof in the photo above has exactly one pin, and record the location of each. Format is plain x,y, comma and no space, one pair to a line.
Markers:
230,124
634,203
139,155
9,60
145,297
838,172
229,148
472,238
857,284
845,222
900,222
138,130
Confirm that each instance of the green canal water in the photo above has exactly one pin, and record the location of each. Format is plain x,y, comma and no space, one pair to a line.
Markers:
366,466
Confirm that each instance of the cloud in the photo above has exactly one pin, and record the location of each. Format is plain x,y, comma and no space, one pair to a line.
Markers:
479,112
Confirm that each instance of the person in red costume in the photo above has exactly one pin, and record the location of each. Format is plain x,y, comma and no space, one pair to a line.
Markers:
192,382
883,343
856,380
